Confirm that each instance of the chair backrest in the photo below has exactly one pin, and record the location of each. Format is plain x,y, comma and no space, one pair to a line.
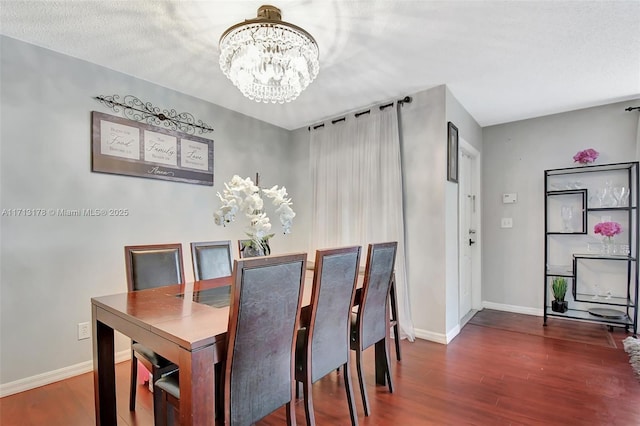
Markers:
153,265
211,259
246,249
266,295
372,321
334,287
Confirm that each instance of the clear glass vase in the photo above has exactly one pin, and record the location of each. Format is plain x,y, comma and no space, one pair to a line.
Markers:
608,246
608,199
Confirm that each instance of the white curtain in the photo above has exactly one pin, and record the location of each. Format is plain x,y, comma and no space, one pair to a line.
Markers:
357,191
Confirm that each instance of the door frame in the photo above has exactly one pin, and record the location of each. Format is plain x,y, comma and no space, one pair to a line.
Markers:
476,268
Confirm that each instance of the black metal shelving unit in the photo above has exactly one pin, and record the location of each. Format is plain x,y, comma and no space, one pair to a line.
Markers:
567,250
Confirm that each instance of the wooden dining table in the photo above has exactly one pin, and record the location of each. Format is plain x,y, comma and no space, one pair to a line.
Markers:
185,323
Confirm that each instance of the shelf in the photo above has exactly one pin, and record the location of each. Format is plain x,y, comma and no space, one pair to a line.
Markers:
567,233
559,271
575,199
598,256
584,315
602,300
590,169
573,203
579,191
602,209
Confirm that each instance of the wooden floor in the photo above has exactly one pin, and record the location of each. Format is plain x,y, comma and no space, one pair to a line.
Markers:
502,369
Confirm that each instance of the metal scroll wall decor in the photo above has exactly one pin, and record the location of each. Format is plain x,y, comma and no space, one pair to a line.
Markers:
134,109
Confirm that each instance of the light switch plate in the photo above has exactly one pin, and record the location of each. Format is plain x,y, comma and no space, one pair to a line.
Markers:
509,198
506,222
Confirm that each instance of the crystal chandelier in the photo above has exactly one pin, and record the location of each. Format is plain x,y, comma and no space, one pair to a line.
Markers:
268,59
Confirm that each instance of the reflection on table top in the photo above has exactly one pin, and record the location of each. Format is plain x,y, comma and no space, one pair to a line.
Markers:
217,297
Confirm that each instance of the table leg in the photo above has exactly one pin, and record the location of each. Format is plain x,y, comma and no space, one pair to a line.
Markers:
104,373
197,396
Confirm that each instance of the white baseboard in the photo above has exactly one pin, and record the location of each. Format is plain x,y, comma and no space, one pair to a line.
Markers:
431,336
447,338
438,337
453,333
513,308
49,377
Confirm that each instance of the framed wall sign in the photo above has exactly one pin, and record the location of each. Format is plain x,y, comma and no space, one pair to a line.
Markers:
126,147
452,152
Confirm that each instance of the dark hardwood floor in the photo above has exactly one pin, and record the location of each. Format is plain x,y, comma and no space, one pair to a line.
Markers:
502,369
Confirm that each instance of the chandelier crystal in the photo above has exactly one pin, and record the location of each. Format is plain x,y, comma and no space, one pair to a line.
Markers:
268,59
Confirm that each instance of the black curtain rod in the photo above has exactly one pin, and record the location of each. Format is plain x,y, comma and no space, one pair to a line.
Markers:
632,108
405,100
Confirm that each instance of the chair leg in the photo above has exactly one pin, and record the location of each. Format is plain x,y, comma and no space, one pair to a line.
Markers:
394,315
157,399
387,357
172,416
308,402
363,390
162,420
396,337
383,370
346,368
134,382
168,408
291,414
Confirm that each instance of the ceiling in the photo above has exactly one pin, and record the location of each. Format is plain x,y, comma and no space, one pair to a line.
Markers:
502,60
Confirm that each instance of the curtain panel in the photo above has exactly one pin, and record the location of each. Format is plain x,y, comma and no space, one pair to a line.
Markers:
357,191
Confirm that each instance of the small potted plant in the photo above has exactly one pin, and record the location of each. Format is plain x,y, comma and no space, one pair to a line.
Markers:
559,288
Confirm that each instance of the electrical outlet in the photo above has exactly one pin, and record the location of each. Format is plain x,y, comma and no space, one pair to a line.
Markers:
84,330
506,222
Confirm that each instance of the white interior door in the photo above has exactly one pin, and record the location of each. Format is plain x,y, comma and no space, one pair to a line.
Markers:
468,190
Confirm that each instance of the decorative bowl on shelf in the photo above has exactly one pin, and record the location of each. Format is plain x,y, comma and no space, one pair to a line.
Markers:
607,313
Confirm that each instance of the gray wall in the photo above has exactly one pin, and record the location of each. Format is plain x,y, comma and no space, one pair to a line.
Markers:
424,153
471,132
515,156
431,209
52,266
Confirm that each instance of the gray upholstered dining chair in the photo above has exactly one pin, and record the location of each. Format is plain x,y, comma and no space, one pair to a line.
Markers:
370,325
323,339
150,266
211,259
266,295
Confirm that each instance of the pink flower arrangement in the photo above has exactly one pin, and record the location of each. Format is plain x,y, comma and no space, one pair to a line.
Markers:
607,229
587,156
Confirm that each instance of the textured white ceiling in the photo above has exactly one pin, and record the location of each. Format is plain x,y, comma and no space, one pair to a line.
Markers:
503,60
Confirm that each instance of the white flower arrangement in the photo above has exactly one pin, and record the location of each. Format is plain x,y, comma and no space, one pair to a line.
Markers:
242,195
